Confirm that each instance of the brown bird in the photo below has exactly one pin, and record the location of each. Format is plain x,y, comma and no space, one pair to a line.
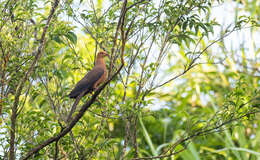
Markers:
93,78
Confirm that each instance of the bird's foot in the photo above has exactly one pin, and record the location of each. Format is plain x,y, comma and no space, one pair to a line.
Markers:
95,89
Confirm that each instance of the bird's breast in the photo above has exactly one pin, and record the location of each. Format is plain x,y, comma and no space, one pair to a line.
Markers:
104,76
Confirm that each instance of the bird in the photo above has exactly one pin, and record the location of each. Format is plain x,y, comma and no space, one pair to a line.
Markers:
93,78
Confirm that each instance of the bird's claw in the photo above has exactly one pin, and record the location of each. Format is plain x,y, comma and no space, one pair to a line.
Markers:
95,89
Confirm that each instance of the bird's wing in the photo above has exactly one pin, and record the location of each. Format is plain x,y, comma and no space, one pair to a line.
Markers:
87,82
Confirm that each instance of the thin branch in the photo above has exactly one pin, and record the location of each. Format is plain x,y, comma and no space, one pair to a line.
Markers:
162,156
82,110
89,32
119,25
68,128
98,132
103,115
105,12
175,77
197,134
22,82
134,136
136,4
192,63
74,51
126,138
75,144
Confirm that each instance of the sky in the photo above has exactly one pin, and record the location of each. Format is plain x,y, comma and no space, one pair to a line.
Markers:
224,14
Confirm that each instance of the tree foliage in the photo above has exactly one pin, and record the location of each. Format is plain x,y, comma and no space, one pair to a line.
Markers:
173,56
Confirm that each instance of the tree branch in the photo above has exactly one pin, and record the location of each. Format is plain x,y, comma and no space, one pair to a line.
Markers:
73,122
141,1
197,134
83,107
22,82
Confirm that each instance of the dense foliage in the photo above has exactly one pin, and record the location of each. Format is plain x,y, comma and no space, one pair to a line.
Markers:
182,84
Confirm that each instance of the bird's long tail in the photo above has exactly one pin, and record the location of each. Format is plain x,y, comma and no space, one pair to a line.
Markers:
78,97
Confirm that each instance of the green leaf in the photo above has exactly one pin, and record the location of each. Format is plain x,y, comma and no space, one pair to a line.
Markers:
72,37
57,39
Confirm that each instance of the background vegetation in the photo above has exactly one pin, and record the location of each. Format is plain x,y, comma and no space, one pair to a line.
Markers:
183,79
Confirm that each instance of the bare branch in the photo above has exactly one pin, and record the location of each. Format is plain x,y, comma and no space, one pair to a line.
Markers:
192,63
120,24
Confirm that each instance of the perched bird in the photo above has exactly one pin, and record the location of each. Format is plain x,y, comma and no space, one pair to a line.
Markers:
93,78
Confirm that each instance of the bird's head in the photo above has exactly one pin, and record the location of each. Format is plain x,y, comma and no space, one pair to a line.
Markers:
102,54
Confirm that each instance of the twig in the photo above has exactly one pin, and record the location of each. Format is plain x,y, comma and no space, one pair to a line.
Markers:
68,128
104,116
197,134
135,137
126,138
162,156
22,82
192,63
82,110
141,1
119,24
73,51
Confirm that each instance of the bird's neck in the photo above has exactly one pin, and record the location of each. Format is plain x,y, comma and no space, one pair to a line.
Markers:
100,61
